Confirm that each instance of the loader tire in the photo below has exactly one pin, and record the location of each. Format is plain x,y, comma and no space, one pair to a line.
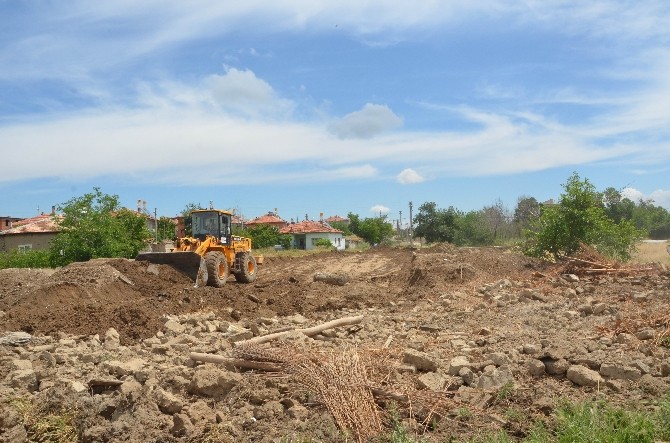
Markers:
217,269
248,268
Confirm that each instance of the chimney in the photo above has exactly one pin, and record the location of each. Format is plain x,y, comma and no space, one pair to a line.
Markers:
53,210
144,205
139,205
321,216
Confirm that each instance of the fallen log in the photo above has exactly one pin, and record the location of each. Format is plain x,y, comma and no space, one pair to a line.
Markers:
237,362
306,331
331,279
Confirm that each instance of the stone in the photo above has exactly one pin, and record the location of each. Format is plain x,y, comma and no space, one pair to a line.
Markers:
531,349
112,339
570,278
495,379
213,382
498,358
468,376
420,360
535,368
24,379
556,367
457,363
665,369
619,372
174,328
168,403
181,425
200,413
645,334
119,369
583,376
599,308
297,412
432,381
642,366
18,365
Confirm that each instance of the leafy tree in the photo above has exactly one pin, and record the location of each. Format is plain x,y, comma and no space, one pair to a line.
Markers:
167,229
527,212
617,207
264,236
580,217
374,230
497,217
472,230
94,225
436,225
344,227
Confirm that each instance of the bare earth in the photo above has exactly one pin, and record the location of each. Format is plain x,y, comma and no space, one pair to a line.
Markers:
479,339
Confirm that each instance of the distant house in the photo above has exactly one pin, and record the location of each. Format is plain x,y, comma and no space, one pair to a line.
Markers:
30,233
270,219
337,219
306,233
7,222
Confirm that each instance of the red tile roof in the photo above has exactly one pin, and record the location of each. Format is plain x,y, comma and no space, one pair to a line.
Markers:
39,224
309,227
267,219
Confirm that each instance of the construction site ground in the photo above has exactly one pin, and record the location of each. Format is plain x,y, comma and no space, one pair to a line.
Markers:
453,343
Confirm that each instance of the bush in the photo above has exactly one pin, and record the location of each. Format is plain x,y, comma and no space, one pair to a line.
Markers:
580,217
29,259
324,243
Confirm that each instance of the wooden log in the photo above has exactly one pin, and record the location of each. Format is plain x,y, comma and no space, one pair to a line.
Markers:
306,331
331,279
237,362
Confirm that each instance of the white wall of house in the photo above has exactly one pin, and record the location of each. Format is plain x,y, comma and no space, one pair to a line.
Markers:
309,240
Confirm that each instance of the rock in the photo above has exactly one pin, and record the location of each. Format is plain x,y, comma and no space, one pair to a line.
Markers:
532,349
270,410
619,372
599,308
495,379
112,339
420,360
182,426
570,278
645,334
168,403
200,413
468,376
665,369
583,376
174,328
642,366
24,379
458,363
18,365
544,405
432,381
535,368
297,412
498,358
556,367
213,382
119,369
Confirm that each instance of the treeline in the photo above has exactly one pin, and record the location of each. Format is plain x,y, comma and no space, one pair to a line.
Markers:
605,220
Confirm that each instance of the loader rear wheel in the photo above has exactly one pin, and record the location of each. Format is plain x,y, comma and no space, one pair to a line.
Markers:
248,268
217,269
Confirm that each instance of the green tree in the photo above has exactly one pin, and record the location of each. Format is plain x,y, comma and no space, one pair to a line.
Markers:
94,225
344,227
167,229
436,225
526,213
374,230
472,229
265,236
580,217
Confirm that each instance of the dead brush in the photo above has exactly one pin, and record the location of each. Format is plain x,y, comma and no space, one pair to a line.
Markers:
349,383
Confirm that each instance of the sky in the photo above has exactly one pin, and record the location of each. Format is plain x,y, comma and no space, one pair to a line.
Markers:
311,106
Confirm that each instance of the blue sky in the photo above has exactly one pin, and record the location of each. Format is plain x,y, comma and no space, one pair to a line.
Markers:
311,106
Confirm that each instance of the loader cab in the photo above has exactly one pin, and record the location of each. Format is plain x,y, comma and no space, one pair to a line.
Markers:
212,222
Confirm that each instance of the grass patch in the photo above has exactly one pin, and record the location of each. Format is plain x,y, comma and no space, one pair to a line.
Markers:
651,252
45,425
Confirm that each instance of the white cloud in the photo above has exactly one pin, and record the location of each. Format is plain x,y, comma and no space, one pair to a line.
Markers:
379,209
370,121
659,197
409,176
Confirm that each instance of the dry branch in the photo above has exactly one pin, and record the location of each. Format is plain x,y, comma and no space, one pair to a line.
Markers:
237,362
306,331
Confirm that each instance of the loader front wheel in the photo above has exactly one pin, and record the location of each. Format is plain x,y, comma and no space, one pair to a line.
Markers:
217,269
248,268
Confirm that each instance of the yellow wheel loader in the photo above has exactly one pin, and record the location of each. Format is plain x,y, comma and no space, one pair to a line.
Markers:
211,253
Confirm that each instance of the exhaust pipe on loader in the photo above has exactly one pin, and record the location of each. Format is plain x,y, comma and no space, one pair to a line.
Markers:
188,263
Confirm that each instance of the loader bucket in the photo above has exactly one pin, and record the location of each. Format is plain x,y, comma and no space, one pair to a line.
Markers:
188,263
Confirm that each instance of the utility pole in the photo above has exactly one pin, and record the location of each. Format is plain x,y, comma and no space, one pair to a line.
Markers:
411,240
156,223
400,223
